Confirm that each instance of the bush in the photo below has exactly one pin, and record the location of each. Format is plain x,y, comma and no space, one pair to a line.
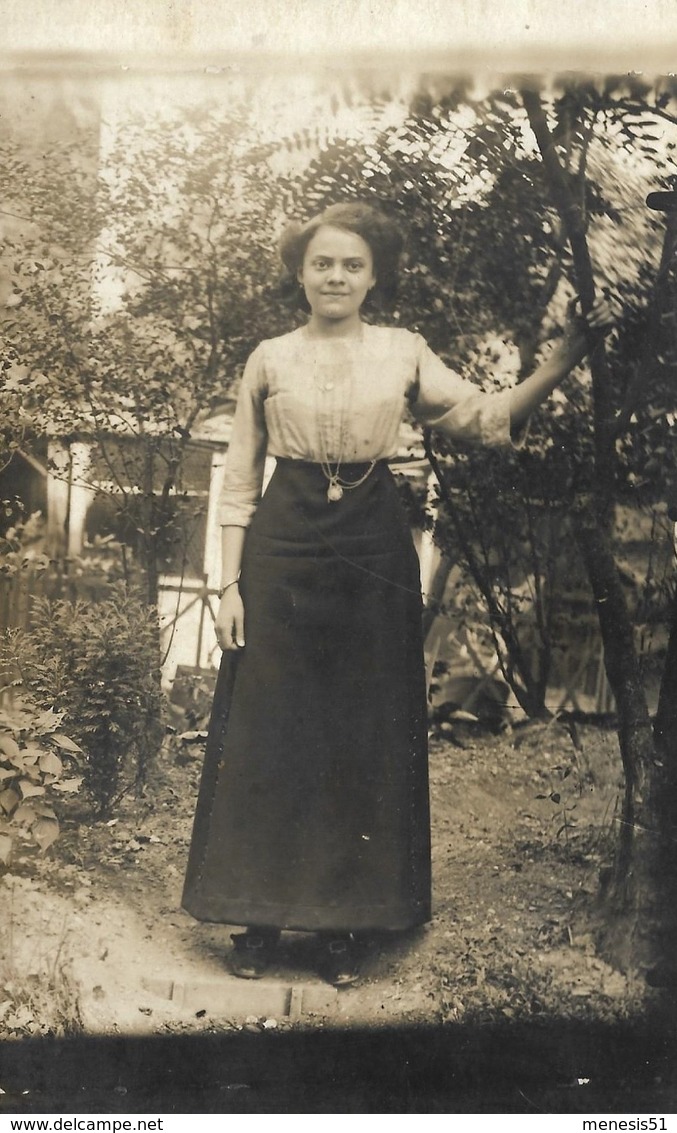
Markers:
37,764
98,664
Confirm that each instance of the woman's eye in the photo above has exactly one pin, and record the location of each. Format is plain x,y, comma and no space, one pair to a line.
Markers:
355,265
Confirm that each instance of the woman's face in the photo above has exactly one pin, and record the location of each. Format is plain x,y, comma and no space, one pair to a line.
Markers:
336,274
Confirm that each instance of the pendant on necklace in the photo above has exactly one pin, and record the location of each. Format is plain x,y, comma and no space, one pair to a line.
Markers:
334,492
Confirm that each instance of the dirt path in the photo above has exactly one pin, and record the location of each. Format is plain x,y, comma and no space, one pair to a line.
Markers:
509,936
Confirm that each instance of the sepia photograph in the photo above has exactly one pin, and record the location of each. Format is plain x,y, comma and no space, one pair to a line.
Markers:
338,558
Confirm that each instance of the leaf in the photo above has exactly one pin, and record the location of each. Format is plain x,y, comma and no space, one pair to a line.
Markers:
66,743
45,832
5,773
47,721
44,810
21,1017
5,848
27,758
68,785
30,790
9,746
24,816
9,800
32,750
50,764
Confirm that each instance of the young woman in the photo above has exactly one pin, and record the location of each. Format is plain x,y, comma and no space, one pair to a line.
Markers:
313,808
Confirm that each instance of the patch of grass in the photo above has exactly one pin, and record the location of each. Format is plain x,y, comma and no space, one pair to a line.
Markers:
37,997
563,987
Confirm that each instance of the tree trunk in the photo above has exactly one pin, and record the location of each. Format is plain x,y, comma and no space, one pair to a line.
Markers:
638,928
665,725
634,935
660,356
662,352
665,736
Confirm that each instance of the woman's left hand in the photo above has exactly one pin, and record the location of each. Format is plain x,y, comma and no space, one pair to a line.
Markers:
603,314
580,333
600,318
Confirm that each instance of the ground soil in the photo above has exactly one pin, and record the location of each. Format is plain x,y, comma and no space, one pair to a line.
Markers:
522,827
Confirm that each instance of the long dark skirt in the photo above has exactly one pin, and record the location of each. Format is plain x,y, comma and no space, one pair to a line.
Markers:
313,808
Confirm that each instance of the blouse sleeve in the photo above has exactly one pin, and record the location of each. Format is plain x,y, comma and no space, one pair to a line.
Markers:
246,456
444,400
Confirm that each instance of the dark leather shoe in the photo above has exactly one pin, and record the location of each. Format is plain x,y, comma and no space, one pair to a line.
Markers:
340,964
252,953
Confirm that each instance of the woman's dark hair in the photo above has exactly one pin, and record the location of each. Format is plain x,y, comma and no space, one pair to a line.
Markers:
377,230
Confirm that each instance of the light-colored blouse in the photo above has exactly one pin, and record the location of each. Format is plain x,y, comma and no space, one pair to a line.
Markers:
343,400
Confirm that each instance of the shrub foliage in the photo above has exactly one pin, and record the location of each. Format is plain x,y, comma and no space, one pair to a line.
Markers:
97,664
38,763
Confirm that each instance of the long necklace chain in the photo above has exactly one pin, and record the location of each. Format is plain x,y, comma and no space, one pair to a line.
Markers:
336,486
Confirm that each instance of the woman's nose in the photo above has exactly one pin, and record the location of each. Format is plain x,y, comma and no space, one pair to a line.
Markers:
336,273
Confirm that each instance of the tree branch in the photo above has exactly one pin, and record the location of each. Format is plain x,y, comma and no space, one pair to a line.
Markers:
562,187
498,620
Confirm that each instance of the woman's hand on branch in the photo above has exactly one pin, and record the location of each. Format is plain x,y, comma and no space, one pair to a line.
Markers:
580,331
603,315
229,623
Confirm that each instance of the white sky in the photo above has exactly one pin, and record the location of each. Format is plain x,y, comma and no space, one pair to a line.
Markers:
629,34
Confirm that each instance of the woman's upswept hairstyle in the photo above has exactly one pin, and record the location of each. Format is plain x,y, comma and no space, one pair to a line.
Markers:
377,230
